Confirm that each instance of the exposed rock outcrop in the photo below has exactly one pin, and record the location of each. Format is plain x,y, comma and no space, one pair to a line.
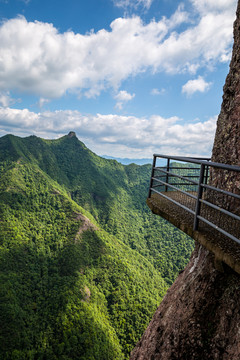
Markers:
199,317
86,225
72,134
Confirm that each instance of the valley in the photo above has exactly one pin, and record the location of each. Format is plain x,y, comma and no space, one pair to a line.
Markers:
83,262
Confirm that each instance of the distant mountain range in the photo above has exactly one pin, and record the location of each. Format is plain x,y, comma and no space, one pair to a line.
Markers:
127,161
83,262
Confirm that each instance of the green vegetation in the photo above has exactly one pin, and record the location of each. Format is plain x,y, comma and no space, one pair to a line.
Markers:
83,262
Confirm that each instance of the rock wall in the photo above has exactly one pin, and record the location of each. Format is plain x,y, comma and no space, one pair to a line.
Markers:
199,317
226,148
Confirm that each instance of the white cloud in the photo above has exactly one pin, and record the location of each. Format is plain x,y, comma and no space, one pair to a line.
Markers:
158,92
122,97
133,3
42,102
206,6
195,85
6,100
35,58
116,135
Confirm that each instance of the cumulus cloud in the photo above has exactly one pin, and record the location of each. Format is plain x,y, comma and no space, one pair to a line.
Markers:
36,58
117,135
133,3
205,6
122,97
195,85
5,99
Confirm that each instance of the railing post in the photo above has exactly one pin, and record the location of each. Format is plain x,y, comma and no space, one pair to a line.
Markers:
151,180
168,167
206,175
199,196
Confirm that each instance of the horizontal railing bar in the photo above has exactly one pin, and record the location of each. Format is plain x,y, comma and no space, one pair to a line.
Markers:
173,201
174,187
234,216
178,184
159,176
172,175
201,158
182,177
157,185
175,175
191,176
184,159
183,168
178,168
179,176
219,229
221,191
175,168
183,184
197,161
188,176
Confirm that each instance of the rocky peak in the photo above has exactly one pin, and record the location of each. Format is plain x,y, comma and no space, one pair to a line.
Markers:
72,134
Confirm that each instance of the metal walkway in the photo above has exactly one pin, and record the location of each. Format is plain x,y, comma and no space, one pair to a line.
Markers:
180,192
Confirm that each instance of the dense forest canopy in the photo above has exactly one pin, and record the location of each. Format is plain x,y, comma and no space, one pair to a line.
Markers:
83,262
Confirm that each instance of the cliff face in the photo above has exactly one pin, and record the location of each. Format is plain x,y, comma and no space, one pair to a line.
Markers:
199,318
226,148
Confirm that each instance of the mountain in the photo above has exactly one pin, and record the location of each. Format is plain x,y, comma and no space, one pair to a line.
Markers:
83,263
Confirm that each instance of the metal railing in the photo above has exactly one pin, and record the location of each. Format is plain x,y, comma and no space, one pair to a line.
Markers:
184,181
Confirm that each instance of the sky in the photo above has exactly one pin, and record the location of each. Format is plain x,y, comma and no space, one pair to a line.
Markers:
130,77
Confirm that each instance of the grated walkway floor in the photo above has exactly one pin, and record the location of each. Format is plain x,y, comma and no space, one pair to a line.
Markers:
225,249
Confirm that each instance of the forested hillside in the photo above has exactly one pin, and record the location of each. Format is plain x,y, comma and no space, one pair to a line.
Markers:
83,262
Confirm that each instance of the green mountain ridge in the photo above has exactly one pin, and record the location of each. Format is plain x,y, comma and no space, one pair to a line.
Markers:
83,263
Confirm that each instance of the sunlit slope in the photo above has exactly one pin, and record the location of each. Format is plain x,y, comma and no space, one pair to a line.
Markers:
69,290
113,193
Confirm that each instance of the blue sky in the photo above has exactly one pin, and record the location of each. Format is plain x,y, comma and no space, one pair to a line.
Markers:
130,77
